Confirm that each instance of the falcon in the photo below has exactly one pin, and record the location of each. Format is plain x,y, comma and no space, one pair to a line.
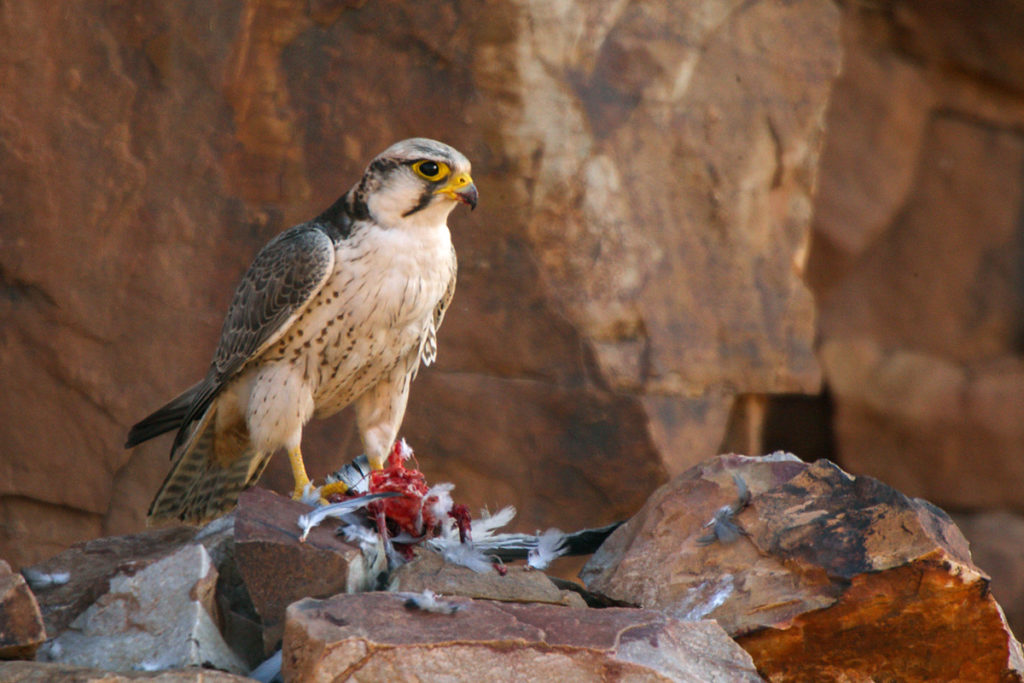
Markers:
340,310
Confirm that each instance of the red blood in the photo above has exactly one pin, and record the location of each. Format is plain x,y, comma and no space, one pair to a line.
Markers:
406,511
460,513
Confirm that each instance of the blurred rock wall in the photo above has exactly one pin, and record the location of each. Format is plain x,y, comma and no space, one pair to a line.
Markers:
917,258
687,208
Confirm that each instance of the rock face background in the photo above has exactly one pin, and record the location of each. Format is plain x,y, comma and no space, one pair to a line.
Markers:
692,214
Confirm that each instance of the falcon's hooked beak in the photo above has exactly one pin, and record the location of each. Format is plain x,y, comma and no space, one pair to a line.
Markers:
461,189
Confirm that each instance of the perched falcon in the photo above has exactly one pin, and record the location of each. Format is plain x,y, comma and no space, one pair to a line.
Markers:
340,310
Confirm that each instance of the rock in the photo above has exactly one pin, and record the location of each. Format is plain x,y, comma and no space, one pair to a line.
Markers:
49,672
21,624
918,197
278,570
832,576
997,547
373,636
161,617
429,571
609,339
88,568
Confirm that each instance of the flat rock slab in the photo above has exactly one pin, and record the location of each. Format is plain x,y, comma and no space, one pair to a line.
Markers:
21,623
374,636
429,571
278,569
44,672
830,577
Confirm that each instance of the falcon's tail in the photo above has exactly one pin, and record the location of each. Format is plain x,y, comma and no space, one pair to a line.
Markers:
208,473
165,419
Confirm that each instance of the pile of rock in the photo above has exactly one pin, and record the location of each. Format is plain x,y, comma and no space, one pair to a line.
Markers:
805,573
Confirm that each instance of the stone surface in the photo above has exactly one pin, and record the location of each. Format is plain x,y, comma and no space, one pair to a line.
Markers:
161,617
90,566
833,576
21,623
278,570
49,672
429,571
646,171
374,637
997,547
916,251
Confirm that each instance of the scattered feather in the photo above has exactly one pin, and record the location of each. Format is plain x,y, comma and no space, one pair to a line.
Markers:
438,502
486,525
310,494
269,671
428,601
38,579
464,554
359,535
723,528
312,519
403,450
550,545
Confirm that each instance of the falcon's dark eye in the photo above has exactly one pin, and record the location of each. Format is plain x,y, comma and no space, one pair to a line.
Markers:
431,170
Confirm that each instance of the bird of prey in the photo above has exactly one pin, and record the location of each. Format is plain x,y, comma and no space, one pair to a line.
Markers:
336,311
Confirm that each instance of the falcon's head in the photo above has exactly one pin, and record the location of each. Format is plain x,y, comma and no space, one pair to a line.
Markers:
415,181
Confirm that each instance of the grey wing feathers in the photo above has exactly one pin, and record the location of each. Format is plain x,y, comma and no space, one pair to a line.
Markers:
282,279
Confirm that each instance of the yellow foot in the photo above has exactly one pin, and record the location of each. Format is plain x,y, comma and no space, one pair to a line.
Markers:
298,473
332,488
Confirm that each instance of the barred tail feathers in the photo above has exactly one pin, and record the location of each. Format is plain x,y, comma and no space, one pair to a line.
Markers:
204,481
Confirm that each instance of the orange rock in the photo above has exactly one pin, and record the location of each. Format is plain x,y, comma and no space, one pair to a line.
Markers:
21,624
831,573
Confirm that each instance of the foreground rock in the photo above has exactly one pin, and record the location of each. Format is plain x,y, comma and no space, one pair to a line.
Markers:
40,672
278,570
68,583
161,617
430,572
831,576
21,624
373,636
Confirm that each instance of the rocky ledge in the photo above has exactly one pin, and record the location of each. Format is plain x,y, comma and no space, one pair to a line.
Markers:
741,568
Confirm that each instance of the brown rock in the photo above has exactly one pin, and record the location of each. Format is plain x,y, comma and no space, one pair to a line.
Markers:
374,637
429,571
997,547
21,624
833,576
278,569
48,672
175,156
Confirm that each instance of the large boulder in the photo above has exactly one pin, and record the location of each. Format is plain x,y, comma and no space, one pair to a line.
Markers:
819,574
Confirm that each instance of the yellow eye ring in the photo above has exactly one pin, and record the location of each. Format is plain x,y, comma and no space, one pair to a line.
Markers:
430,170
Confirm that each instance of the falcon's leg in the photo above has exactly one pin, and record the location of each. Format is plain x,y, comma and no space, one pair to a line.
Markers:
379,414
298,472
